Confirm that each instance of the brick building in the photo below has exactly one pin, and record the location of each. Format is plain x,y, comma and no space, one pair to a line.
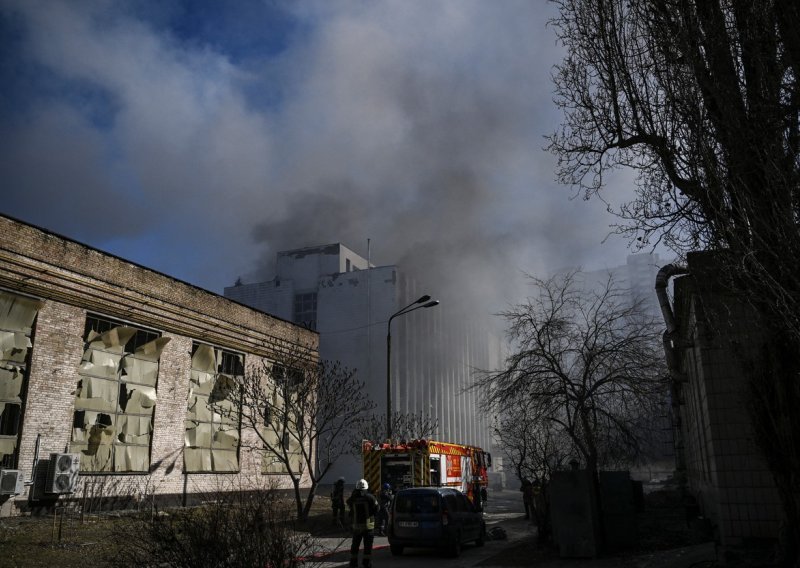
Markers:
714,340
117,363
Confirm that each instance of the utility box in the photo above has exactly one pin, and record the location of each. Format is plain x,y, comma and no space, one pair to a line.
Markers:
618,499
575,521
62,473
12,482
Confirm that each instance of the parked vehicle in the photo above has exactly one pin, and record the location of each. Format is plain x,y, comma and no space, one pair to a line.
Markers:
427,463
437,517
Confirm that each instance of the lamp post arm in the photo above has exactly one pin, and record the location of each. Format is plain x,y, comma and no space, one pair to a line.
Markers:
389,381
423,302
412,307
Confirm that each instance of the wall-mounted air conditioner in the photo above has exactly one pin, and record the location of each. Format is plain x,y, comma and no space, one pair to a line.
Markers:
62,473
12,482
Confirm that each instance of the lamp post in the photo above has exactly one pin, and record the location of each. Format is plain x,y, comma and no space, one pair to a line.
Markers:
424,302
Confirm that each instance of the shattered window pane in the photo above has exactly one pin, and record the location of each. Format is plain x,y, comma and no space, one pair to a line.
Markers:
9,419
211,438
116,396
284,382
17,316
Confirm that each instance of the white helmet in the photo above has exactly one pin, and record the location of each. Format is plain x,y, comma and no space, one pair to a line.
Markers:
362,484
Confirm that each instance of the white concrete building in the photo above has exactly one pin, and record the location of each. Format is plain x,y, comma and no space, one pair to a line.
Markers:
332,289
637,276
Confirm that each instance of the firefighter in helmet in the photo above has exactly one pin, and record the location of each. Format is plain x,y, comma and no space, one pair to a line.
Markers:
362,507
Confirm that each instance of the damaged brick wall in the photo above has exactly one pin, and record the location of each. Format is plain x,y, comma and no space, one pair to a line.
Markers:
75,280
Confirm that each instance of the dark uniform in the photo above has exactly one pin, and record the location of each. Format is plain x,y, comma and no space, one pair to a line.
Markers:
383,513
362,506
337,501
478,496
527,497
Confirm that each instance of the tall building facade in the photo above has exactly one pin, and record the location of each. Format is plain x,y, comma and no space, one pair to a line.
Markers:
434,353
637,277
636,280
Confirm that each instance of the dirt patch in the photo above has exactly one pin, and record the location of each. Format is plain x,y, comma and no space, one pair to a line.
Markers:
65,541
53,541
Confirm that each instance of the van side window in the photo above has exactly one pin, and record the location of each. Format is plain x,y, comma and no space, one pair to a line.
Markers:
452,503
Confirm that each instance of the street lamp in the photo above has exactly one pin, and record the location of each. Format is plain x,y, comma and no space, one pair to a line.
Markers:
424,302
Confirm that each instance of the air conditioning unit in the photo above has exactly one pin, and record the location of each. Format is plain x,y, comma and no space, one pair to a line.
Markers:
12,482
62,473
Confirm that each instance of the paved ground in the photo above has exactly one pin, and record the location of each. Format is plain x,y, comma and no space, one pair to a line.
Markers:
505,510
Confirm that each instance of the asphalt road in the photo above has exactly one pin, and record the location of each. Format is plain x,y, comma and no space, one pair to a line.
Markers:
502,509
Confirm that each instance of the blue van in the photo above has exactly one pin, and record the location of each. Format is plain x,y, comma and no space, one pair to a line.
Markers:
440,517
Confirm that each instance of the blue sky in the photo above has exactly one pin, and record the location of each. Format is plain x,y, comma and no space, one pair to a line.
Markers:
199,138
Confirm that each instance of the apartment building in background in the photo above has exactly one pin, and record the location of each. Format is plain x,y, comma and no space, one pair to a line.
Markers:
348,301
636,277
635,280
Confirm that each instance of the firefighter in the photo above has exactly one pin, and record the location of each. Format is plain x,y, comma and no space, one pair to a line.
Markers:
362,507
383,513
337,501
527,497
478,496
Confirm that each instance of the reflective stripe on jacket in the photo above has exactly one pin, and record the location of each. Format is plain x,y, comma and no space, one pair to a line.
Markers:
363,507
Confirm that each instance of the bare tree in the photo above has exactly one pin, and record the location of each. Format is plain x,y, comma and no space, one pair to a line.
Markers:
702,99
586,365
533,444
405,426
305,415
535,447
589,361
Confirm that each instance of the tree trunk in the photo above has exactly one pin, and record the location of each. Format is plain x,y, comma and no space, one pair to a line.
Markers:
298,498
593,471
309,499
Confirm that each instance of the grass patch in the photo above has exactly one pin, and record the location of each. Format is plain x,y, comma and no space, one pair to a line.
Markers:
232,529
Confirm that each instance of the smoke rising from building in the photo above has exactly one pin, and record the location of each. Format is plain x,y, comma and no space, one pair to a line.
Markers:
200,143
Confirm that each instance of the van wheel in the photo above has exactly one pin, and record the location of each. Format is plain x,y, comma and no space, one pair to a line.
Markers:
397,549
453,549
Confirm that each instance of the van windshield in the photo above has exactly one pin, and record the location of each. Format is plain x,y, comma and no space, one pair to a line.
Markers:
420,504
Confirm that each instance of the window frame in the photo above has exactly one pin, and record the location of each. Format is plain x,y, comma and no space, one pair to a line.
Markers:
304,309
283,381
205,453
135,378
12,421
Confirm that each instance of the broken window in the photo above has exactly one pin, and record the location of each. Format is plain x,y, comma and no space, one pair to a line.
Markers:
278,427
272,463
116,396
286,379
212,423
17,314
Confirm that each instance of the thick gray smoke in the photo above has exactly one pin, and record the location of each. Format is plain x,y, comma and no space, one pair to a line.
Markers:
422,130
418,125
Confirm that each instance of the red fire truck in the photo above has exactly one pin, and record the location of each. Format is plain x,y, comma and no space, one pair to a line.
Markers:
421,463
